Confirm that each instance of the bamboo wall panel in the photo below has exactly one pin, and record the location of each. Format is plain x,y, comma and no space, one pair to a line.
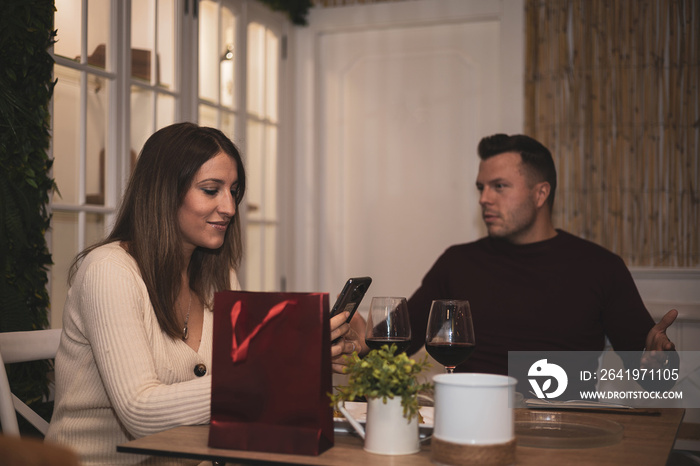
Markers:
612,89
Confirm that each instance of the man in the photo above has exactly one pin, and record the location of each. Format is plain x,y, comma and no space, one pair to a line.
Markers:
532,287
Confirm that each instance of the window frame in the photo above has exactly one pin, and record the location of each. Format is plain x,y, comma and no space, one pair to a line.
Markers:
117,162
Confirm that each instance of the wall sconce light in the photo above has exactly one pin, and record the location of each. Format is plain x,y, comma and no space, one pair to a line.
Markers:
228,54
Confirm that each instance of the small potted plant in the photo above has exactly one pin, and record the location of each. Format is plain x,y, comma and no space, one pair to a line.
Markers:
391,385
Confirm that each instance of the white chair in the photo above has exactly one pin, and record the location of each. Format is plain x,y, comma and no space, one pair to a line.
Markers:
33,345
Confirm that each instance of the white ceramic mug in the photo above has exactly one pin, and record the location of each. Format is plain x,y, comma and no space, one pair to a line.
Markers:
387,431
474,408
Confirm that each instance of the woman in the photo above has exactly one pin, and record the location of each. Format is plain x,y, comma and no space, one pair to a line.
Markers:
136,346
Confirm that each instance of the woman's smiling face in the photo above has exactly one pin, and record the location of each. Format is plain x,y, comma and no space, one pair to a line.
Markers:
209,205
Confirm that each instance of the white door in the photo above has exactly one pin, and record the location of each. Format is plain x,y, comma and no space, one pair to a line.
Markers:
398,96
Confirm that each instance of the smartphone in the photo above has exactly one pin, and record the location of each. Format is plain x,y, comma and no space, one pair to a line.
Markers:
349,299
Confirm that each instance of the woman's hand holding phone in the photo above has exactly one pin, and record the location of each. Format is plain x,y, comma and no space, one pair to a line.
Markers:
347,327
349,339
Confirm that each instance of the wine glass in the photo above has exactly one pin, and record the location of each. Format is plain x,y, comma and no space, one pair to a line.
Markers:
449,338
388,323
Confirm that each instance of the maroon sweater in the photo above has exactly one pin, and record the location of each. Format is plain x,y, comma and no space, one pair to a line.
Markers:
563,294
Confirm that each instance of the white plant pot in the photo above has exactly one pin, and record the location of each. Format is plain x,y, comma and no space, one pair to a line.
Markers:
387,431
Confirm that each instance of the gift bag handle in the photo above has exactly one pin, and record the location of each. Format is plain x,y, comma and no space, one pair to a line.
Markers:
239,352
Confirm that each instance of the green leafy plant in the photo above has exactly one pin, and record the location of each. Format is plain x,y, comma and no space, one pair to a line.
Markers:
384,374
295,9
26,86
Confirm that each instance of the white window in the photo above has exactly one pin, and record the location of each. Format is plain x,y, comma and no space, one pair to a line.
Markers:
262,153
84,141
239,81
155,92
126,69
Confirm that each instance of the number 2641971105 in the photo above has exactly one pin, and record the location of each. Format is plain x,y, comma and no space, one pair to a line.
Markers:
636,374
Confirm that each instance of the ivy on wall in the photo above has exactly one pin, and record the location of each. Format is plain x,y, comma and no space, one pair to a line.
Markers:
296,9
26,86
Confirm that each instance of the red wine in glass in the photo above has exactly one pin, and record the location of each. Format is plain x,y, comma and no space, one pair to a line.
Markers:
449,337
450,354
402,344
387,323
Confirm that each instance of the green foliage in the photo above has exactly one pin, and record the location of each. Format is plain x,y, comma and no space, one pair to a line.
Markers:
384,374
296,9
26,86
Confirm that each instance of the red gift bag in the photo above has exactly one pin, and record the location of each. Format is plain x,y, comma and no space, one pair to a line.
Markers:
271,373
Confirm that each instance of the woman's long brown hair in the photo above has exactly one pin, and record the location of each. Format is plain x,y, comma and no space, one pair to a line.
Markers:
147,219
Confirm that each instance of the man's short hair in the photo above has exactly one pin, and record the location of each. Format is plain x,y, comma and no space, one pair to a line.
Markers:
536,157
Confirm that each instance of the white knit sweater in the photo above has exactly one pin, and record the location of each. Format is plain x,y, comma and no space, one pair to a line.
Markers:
118,376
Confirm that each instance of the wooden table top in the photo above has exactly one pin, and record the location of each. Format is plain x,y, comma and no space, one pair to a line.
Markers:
647,440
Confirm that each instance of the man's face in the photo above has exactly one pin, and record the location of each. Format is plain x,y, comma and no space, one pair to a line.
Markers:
508,198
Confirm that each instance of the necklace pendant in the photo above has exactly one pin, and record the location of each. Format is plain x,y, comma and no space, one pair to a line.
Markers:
185,333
